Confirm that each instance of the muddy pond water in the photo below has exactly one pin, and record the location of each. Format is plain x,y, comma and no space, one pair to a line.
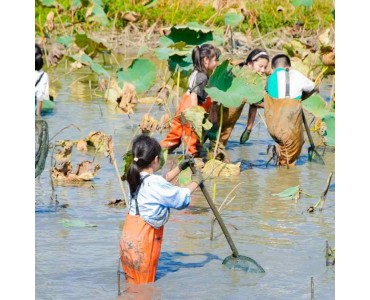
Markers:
286,240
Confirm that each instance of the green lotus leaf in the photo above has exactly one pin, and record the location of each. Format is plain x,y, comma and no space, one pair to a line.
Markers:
75,4
233,19
199,119
75,223
97,68
192,34
195,26
83,58
316,105
255,82
184,63
222,77
163,52
97,2
224,88
66,40
233,97
89,44
141,73
99,16
178,46
49,3
329,135
289,193
306,3
180,49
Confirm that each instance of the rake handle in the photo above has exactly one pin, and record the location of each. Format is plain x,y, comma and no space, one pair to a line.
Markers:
217,215
308,130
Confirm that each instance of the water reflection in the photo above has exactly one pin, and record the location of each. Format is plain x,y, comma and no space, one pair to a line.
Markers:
172,262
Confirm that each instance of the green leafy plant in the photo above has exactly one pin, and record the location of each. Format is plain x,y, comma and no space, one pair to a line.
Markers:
141,73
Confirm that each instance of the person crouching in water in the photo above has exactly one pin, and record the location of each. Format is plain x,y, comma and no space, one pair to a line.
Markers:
205,59
257,61
151,198
286,88
41,81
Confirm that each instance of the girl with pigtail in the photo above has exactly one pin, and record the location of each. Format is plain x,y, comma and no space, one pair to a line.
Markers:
151,198
205,59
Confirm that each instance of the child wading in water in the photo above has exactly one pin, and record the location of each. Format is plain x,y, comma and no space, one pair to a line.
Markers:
151,197
205,60
41,81
256,61
286,88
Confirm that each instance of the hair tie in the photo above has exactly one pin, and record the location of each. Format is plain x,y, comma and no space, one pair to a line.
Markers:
136,159
258,55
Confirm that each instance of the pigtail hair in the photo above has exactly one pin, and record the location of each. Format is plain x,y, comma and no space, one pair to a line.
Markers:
197,62
144,150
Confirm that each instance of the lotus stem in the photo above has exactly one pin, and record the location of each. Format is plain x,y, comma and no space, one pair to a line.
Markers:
219,131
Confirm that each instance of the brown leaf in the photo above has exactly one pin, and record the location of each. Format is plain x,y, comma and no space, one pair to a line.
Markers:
81,145
148,124
126,108
114,92
64,150
218,168
328,59
108,148
129,93
130,16
50,21
89,12
97,140
62,168
163,93
85,171
56,53
164,122
116,202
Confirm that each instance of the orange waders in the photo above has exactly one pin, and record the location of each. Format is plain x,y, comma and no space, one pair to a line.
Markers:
140,249
191,139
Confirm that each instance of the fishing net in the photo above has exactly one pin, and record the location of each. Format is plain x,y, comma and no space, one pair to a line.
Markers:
244,263
41,145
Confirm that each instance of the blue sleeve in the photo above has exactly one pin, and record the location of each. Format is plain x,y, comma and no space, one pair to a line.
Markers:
172,196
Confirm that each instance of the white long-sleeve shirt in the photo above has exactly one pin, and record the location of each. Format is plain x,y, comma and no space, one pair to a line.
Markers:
156,197
42,88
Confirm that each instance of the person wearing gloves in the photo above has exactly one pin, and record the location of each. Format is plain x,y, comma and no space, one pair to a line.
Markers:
151,198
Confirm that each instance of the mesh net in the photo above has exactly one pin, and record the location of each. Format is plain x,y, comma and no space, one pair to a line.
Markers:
41,145
243,263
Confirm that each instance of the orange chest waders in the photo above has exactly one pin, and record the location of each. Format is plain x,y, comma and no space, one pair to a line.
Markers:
185,132
140,247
